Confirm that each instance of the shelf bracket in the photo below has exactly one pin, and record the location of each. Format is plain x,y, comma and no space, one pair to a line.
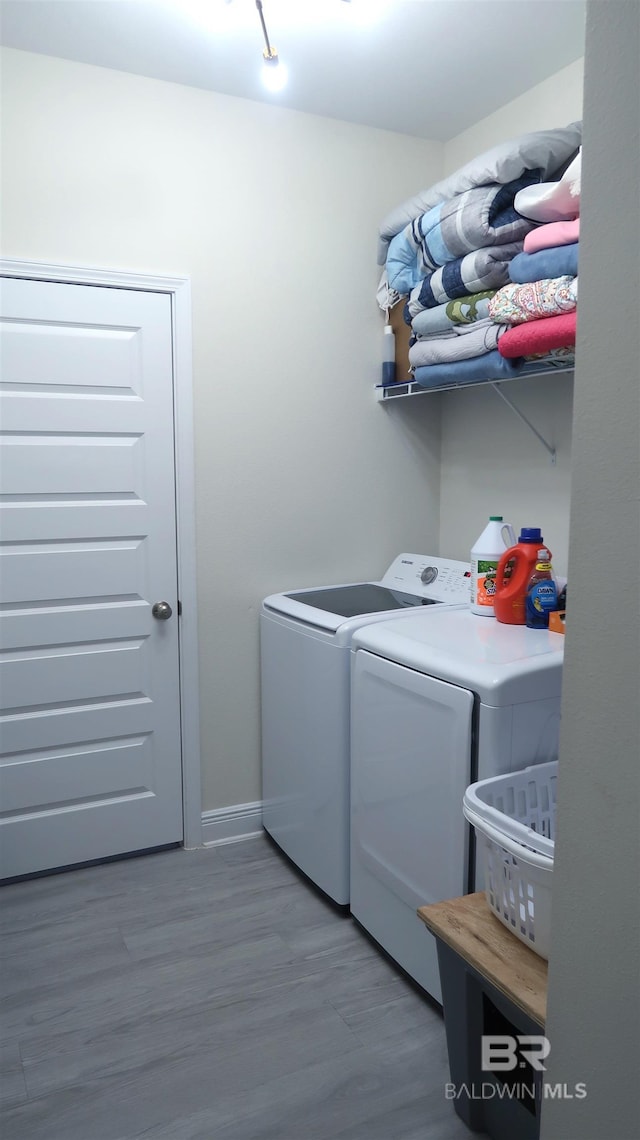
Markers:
552,451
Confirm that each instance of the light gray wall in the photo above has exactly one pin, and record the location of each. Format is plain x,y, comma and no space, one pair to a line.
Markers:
594,980
301,477
552,103
491,462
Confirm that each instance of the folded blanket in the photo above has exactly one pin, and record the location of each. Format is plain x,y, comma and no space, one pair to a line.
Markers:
544,151
481,217
491,366
539,336
553,201
462,312
480,270
471,340
514,304
560,261
488,366
554,233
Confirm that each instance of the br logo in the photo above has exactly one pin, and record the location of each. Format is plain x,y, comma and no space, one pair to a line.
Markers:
502,1052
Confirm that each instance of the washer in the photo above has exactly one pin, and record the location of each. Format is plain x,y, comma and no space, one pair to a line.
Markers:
437,701
305,644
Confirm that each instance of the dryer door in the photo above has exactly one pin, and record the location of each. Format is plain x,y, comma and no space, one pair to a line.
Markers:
410,765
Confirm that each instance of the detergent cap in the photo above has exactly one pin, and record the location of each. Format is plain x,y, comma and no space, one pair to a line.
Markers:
496,518
531,534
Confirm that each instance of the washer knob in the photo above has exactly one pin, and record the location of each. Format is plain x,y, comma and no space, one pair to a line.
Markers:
429,575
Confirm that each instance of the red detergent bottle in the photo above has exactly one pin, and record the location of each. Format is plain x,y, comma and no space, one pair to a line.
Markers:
512,576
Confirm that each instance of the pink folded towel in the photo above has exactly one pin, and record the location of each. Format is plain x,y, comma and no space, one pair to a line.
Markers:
553,233
539,336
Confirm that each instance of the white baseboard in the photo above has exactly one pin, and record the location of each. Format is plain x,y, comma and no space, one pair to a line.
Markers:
231,824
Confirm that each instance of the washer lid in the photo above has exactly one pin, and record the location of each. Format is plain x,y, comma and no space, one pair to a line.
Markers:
361,598
503,664
338,607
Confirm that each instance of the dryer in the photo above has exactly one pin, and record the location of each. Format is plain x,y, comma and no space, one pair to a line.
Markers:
305,645
438,701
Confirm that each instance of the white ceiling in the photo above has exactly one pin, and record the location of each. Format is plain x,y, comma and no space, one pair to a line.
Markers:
429,68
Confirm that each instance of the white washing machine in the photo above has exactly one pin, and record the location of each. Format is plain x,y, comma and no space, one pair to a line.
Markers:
305,645
437,701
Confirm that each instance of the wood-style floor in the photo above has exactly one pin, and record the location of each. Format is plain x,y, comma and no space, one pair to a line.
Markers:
208,995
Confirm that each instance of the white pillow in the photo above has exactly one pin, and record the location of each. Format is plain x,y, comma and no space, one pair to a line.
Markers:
553,201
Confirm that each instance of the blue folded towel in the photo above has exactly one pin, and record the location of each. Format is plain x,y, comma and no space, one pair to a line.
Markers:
489,366
556,261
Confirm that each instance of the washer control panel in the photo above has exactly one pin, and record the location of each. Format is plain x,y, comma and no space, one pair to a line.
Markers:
441,579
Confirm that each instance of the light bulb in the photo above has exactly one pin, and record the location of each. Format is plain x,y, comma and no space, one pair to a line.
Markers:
274,73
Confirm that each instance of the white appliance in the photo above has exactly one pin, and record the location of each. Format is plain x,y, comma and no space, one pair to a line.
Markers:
305,644
437,701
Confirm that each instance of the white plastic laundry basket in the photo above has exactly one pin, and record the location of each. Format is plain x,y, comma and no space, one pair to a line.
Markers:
515,820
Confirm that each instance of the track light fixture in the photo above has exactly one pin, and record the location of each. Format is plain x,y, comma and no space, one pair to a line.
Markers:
274,73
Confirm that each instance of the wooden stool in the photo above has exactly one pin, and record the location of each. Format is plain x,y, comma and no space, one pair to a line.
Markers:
492,985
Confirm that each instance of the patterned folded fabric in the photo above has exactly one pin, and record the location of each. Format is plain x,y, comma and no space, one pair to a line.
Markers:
514,304
454,314
545,151
470,340
474,220
539,336
554,233
483,269
558,261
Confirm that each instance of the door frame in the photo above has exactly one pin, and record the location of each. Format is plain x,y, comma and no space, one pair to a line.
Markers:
179,291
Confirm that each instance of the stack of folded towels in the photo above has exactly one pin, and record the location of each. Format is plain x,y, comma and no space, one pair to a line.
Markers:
536,313
453,259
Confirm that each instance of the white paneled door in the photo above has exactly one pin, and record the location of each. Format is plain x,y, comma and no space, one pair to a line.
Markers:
89,689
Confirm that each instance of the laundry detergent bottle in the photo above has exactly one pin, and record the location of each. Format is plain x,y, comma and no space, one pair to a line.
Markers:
485,555
542,594
515,568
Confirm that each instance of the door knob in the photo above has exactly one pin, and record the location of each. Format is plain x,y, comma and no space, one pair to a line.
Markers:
161,610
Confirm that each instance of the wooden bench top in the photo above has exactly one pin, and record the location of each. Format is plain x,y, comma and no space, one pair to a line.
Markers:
470,928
